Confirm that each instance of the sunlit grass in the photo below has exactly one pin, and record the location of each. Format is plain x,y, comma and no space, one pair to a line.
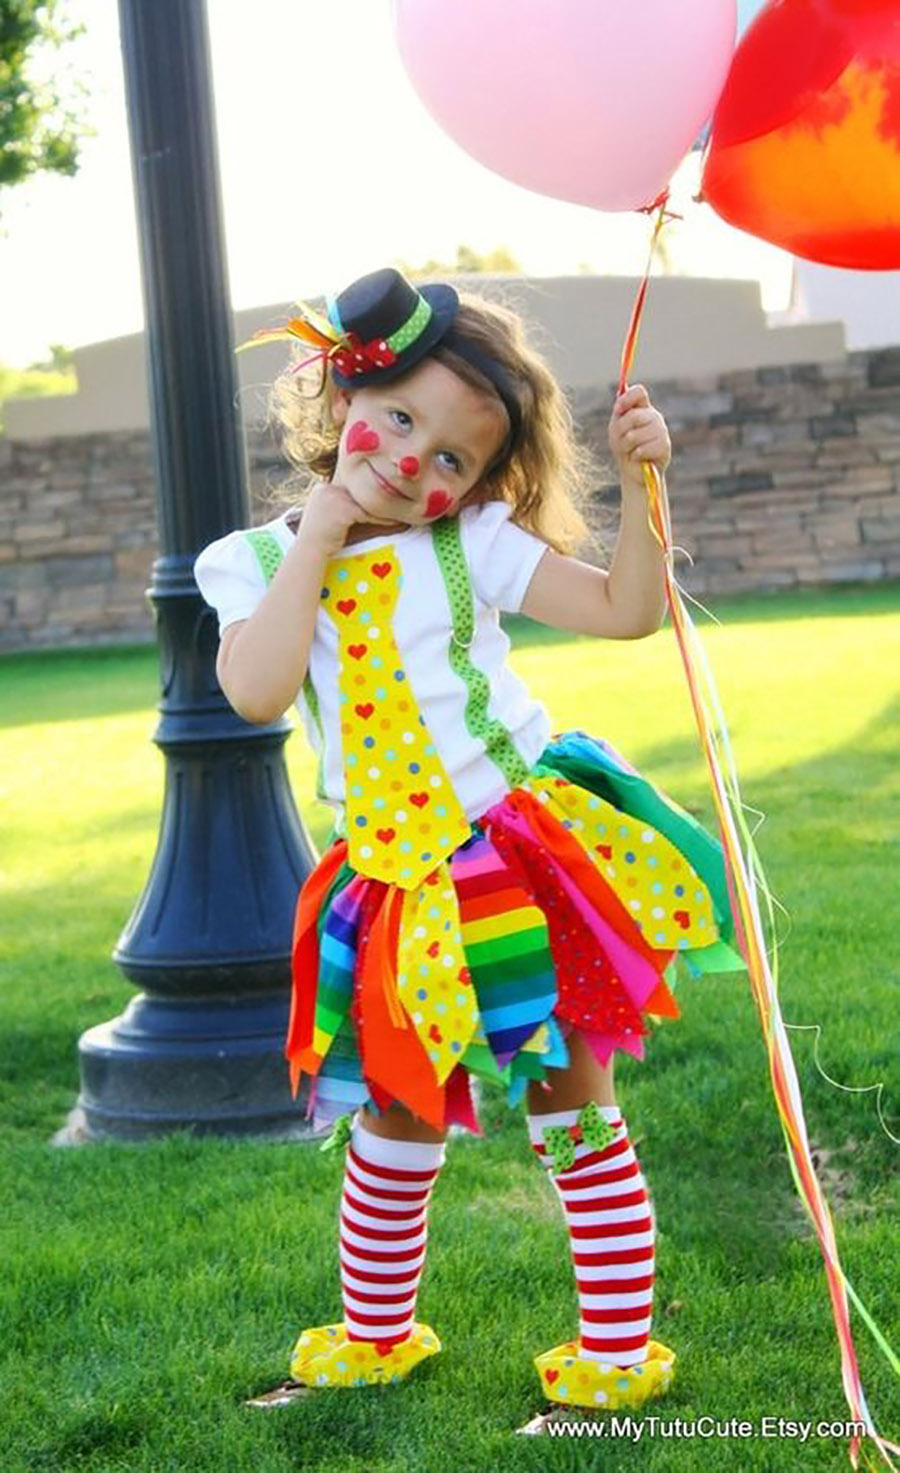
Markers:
148,1290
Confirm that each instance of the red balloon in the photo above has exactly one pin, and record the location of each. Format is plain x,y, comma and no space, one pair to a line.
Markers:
805,147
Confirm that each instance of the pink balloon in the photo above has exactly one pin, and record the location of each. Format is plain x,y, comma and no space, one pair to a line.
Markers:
592,101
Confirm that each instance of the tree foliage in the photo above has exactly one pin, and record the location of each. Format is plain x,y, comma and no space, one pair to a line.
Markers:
468,262
38,131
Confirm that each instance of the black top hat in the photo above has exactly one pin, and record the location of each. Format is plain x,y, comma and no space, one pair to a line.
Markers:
390,326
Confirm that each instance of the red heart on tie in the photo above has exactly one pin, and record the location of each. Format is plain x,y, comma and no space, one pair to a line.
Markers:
433,878
386,836
434,1033
434,948
356,651
418,799
604,849
346,605
465,976
683,919
364,711
551,1377
381,570
361,437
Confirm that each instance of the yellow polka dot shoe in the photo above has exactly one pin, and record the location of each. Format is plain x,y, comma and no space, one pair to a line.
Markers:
325,1357
574,1380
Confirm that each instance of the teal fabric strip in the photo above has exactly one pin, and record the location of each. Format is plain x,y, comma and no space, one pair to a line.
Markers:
270,556
501,749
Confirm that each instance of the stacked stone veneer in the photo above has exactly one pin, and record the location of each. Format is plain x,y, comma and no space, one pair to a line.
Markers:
781,477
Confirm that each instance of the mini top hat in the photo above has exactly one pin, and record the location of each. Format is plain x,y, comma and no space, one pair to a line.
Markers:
388,325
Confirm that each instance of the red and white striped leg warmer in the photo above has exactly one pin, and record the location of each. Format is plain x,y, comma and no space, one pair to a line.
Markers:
384,1231
611,1237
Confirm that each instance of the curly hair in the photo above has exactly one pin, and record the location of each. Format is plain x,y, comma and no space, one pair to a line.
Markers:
547,477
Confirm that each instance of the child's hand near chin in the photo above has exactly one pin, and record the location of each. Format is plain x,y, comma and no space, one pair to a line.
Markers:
638,434
328,514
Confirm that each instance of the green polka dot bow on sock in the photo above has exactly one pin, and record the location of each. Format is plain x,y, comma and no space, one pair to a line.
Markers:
340,1135
590,1127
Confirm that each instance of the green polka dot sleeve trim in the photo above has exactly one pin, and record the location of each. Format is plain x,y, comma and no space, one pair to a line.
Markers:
500,747
269,555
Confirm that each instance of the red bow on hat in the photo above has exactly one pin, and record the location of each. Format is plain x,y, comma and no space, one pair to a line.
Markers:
355,356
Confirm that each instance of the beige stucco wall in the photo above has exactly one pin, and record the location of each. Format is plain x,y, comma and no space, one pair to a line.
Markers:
692,327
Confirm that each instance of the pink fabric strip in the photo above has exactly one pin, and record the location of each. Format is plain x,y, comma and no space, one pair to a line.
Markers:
637,976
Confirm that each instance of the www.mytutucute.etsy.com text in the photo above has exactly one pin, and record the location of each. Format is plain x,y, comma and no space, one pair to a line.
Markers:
634,1429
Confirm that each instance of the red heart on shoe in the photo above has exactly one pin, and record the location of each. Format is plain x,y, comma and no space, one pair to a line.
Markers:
604,849
434,948
552,1376
683,919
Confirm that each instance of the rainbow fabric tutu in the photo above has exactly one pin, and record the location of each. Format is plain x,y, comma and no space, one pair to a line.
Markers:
569,906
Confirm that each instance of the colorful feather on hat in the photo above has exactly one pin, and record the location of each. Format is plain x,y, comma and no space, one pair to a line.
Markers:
310,328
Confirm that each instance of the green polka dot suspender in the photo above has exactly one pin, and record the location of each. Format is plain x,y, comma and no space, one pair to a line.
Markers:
500,747
269,556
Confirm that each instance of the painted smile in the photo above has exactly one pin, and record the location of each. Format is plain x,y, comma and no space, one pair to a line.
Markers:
386,485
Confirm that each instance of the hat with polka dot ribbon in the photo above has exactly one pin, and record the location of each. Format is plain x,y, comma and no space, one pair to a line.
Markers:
386,325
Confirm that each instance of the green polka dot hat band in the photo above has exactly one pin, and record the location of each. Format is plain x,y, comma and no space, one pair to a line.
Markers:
389,325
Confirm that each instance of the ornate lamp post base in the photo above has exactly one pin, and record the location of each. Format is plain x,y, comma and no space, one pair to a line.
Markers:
213,1066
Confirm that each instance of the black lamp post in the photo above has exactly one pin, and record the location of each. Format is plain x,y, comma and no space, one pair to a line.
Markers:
209,940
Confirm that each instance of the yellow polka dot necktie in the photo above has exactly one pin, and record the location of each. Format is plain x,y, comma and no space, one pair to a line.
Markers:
403,816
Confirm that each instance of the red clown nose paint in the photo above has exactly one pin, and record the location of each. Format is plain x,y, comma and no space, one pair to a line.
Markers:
437,503
408,466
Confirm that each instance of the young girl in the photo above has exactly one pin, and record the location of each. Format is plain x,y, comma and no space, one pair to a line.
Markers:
495,900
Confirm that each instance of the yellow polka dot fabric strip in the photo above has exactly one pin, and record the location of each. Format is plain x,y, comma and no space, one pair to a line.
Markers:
669,903
402,814
433,981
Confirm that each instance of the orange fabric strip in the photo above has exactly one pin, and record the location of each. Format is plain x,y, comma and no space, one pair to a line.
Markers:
661,1003
392,1056
305,965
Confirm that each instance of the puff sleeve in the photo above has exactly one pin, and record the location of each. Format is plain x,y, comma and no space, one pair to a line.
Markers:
501,556
230,578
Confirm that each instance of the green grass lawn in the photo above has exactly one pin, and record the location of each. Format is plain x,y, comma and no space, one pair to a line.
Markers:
148,1290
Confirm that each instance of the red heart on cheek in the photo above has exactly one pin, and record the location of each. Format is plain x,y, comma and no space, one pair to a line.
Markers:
437,503
361,438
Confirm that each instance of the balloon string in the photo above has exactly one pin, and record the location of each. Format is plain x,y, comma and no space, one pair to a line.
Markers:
743,875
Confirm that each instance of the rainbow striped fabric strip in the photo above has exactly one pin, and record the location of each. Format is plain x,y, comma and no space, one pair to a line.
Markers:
507,949
337,963
339,1084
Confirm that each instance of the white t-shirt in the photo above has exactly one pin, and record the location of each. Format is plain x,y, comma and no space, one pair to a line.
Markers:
501,558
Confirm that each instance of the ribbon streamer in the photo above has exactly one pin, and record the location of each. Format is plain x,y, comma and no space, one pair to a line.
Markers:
746,882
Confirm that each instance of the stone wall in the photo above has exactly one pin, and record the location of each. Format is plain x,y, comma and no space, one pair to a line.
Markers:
781,477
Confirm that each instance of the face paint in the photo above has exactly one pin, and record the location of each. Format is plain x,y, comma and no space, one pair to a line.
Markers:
408,466
437,503
361,438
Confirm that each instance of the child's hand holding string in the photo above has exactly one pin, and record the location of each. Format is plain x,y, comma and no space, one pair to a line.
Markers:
638,434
